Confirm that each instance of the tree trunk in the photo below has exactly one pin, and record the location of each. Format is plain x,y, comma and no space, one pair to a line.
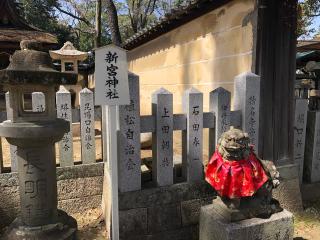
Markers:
113,22
97,39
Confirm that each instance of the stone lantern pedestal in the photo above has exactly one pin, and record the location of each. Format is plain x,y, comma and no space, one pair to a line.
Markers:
34,134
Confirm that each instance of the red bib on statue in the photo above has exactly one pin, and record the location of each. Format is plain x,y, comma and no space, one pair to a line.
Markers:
235,179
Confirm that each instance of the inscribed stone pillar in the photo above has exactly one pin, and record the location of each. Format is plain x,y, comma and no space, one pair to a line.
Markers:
38,102
13,149
162,138
300,124
38,196
192,145
312,148
220,105
88,145
247,101
129,167
64,111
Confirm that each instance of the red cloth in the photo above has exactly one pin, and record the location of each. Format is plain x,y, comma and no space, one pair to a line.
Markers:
235,179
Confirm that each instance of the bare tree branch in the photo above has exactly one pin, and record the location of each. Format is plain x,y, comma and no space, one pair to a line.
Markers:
73,16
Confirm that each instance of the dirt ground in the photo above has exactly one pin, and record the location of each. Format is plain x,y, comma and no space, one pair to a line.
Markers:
307,223
90,225
306,226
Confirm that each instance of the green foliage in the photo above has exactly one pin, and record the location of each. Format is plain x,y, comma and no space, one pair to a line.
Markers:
308,10
42,14
74,20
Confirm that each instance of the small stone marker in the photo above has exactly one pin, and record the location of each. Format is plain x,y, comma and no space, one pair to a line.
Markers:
64,111
192,162
38,102
247,100
13,149
312,147
300,124
220,106
129,140
162,138
88,144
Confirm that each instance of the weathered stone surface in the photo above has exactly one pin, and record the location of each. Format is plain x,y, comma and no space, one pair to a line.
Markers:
13,149
80,204
9,179
88,144
187,233
63,173
220,106
312,148
164,218
162,138
80,187
13,158
289,171
9,197
213,227
300,123
190,210
247,100
310,191
165,195
129,163
37,183
288,192
192,137
63,101
80,171
235,119
38,102
7,215
133,222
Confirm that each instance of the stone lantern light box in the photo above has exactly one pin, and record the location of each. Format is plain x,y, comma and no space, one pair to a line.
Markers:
69,57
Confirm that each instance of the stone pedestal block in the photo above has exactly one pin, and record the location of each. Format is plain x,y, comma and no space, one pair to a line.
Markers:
212,226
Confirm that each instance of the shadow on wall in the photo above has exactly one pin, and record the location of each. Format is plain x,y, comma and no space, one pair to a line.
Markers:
195,30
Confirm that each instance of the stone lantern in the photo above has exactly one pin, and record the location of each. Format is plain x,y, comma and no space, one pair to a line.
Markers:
34,134
69,57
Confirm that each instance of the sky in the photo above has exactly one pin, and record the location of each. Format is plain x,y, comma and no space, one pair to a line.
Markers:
316,25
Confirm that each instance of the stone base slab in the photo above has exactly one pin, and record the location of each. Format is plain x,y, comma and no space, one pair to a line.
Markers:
212,226
64,229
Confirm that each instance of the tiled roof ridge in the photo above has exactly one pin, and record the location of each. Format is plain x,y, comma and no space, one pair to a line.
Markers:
171,20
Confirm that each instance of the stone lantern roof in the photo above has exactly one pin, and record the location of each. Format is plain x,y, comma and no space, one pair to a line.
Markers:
30,65
68,52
